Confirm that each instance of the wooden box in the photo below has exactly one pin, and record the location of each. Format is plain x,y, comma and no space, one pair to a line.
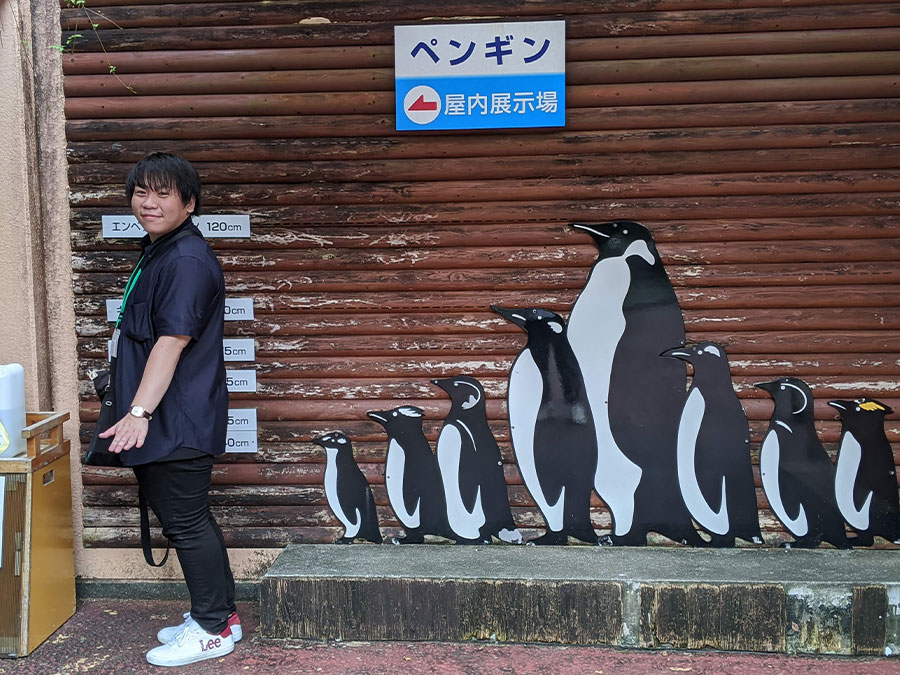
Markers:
37,564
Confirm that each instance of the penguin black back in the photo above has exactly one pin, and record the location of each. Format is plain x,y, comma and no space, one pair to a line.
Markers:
347,491
551,425
797,474
470,461
412,476
866,476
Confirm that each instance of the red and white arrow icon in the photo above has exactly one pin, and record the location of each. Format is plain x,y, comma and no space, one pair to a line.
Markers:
422,104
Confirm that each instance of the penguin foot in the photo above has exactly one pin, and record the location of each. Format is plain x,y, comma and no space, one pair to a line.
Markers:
861,540
550,539
408,539
471,542
344,540
605,540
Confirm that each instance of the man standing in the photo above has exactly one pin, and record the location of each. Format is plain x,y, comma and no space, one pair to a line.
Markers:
172,399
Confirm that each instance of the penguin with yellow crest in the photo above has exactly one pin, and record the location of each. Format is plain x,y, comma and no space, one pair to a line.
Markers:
865,484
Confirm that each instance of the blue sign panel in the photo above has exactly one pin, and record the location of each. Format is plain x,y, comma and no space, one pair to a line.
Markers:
480,76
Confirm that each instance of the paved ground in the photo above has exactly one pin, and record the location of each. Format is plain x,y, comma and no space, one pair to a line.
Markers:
112,636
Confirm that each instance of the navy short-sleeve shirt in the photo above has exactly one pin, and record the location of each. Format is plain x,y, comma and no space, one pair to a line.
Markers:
180,291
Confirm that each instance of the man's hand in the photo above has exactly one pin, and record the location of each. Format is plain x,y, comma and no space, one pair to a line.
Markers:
129,432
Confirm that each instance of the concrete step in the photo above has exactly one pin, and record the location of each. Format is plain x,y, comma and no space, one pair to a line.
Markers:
790,601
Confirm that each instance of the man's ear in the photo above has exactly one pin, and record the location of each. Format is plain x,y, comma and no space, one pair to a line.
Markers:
190,205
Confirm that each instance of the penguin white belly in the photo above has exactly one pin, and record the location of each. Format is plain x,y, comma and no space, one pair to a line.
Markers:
596,325
849,459
393,478
769,459
525,387
351,529
463,522
688,430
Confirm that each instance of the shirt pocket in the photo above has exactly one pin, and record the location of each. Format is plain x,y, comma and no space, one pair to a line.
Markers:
136,322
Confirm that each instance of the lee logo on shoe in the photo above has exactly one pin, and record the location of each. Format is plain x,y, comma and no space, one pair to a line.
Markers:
210,644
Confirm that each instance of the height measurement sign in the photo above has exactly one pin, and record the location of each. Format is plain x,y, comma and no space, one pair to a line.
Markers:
236,309
480,76
224,226
241,434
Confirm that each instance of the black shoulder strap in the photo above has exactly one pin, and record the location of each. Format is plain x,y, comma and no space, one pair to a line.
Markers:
145,533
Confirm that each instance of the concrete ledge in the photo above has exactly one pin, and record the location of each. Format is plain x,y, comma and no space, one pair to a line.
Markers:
125,589
794,601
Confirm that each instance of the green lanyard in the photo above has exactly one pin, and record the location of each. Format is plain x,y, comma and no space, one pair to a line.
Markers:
132,280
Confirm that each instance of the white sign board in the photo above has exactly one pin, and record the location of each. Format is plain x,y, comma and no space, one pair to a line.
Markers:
242,432
240,381
480,75
239,349
221,226
236,309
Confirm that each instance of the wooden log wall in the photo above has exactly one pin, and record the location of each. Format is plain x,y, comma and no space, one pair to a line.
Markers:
757,139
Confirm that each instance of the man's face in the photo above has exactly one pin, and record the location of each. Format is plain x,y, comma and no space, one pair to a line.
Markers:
159,211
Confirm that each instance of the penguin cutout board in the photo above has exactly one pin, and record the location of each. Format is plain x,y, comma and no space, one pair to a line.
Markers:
797,474
866,478
472,469
347,491
625,317
714,470
412,476
551,426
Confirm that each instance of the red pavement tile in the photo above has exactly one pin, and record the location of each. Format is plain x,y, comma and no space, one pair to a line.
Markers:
112,636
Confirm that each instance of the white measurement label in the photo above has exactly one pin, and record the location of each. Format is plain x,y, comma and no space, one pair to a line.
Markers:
239,309
236,309
242,419
239,381
239,349
241,441
226,226
113,305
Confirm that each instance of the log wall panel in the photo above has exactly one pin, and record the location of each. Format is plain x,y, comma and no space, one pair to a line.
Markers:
757,139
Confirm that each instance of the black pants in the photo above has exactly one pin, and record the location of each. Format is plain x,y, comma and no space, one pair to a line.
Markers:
178,493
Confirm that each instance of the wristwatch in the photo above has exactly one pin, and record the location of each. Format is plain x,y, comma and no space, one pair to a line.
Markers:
138,411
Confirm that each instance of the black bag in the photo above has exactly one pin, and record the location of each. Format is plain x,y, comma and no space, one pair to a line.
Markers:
98,453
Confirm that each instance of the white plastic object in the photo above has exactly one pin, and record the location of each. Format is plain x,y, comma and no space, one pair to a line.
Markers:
12,409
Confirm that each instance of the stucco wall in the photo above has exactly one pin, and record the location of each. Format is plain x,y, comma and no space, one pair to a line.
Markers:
37,317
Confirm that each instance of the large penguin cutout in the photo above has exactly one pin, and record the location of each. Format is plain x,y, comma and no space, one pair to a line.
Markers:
645,392
714,469
551,426
412,476
797,474
472,469
347,491
866,478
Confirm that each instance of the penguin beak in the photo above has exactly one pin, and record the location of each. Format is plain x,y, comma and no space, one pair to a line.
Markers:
443,384
677,353
319,441
600,233
769,387
377,415
841,405
512,315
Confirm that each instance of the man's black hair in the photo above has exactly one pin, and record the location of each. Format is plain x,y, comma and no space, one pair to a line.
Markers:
163,170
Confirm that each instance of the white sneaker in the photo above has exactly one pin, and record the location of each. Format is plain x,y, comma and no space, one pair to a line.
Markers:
191,645
169,633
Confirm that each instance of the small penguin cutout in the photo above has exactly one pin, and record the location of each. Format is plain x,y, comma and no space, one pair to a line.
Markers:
866,478
472,469
797,474
412,476
347,491
625,317
551,426
714,469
